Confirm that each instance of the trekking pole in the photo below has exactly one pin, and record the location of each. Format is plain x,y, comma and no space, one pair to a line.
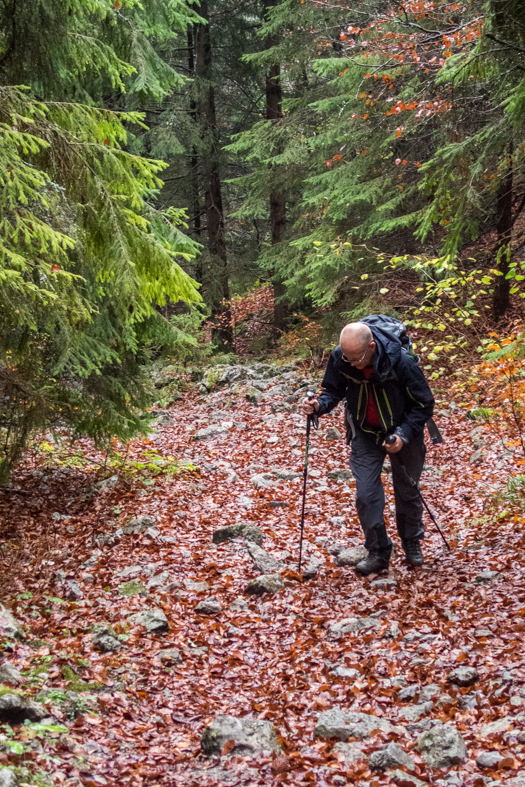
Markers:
391,439
310,419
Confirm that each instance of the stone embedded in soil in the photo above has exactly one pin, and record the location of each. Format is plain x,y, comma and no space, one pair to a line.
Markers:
463,676
263,561
384,583
311,570
211,432
407,779
352,625
153,620
240,529
390,756
488,759
266,583
15,709
429,692
10,674
338,521
336,723
209,606
442,746
408,692
239,605
132,588
9,626
72,591
340,474
350,753
495,727
249,736
346,672
332,433
139,525
351,557
487,576
262,480
170,656
8,778
159,581
415,712
196,587
105,643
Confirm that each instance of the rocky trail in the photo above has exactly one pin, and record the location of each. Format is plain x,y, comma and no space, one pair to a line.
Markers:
162,635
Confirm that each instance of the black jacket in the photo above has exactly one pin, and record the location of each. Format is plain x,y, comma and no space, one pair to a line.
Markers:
402,396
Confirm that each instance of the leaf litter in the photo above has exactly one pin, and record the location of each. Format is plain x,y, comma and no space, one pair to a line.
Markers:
135,715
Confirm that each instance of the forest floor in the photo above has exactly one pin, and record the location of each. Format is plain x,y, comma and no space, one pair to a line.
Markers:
135,716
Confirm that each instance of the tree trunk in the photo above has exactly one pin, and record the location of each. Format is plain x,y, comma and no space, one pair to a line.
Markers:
501,298
213,191
194,160
274,97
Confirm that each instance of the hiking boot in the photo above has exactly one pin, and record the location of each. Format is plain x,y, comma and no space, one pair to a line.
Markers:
413,552
373,564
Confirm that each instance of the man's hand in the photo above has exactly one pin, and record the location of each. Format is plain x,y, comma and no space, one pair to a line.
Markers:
310,406
393,448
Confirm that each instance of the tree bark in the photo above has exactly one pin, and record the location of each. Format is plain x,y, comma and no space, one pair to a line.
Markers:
274,97
504,222
213,190
194,160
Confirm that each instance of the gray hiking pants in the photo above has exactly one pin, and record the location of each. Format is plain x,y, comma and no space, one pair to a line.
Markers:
366,462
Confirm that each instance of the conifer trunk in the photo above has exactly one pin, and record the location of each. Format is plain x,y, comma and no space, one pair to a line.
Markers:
194,160
274,97
501,298
213,190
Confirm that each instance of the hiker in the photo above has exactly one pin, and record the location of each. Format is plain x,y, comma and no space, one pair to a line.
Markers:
386,394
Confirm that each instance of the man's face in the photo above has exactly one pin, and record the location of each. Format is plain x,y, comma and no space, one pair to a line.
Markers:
357,355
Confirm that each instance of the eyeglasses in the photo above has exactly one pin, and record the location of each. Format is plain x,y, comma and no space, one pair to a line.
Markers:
357,360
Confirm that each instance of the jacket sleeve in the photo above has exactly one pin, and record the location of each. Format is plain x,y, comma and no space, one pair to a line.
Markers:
334,384
419,400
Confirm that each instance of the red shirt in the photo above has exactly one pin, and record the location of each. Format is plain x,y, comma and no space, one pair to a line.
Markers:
372,416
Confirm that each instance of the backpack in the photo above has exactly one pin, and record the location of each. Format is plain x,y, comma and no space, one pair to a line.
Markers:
393,326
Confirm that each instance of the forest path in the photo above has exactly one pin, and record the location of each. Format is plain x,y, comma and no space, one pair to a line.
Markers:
281,657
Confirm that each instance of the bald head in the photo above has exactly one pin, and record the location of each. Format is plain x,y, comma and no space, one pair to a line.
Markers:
356,339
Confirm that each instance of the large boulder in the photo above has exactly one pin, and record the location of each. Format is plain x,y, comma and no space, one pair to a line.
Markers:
153,620
336,723
442,746
249,737
16,709
263,561
240,529
9,626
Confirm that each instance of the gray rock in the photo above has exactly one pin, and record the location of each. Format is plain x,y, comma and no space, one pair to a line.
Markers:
483,633
351,557
253,395
336,723
138,525
262,480
340,474
211,432
158,581
266,583
8,778
132,588
239,605
153,620
311,570
390,756
109,539
286,475
239,530
250,737
463,676
408,693
351,752
106,643
334,549
332,433
346,672
488,759
72,591
170,656
15,709
263,561
429,692
10,674
415,712
495,727
338,521
487,576
442,746
477,457
352,625
406,779
443,700
107,483
9,626
209,606
196,587
384,583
